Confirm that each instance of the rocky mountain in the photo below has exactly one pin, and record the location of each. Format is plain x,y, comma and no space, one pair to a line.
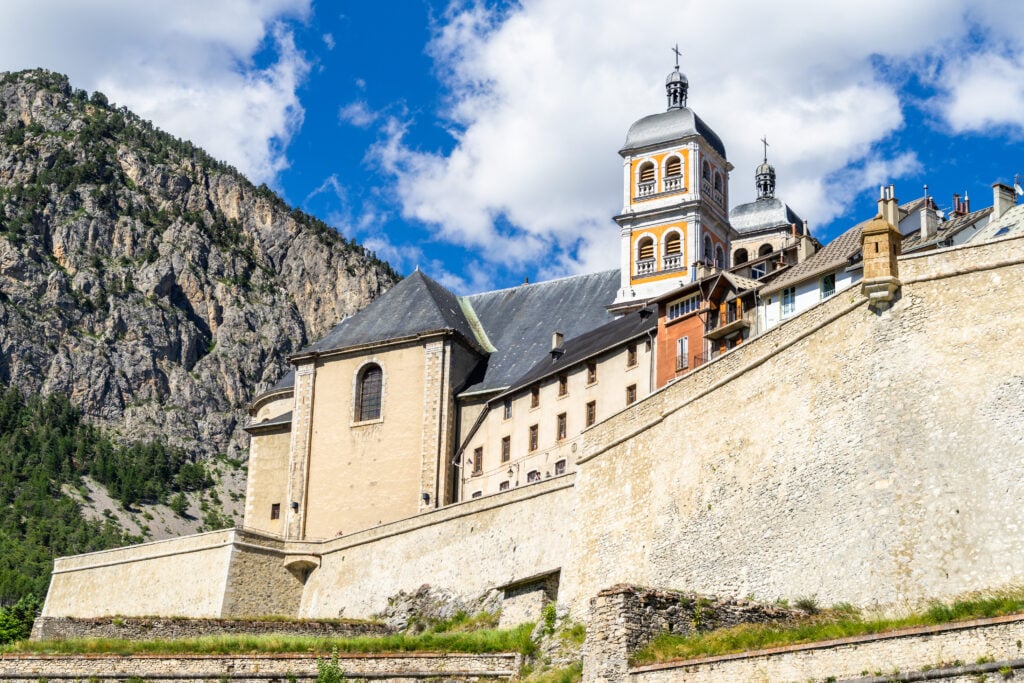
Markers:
152,284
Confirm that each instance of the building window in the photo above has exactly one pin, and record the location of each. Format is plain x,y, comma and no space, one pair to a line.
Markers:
708,248
532,476
508,409
560,467
674,167
678,309
788,301
563,385
275,511
478,461
561,426
631,355
740,256
591,413
718,182
503,486
630,394
758,270
533,438
477,494
682,353
506,448
705,171
765,249
828,285
368,394
719,257
534,397
647,172
591,372
645,255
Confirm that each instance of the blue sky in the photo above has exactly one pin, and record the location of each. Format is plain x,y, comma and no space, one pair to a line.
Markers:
478,140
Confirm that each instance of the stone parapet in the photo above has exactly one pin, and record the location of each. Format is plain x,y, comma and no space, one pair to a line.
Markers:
252,668
966,651
156,628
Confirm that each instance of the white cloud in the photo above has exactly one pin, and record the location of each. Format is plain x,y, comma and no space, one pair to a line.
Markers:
541,96
329,41
986,91
187,65
358,114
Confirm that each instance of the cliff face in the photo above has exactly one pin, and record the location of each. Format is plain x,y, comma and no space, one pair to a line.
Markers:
155,286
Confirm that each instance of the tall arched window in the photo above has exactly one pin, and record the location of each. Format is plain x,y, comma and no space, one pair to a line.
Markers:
740,256
764,250
647,172
708,247
368,393
718,182
645,249
719,256
673,244
705,171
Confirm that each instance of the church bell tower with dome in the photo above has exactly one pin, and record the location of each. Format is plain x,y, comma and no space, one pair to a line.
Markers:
674,224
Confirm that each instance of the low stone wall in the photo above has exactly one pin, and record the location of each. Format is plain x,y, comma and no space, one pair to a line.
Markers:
142,628
625,618
252,668
984,649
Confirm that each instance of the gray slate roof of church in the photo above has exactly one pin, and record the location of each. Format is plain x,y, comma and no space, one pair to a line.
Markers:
588,345
669,126
520,321
763,214
415,305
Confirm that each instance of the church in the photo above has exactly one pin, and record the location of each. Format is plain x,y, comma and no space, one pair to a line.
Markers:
426,398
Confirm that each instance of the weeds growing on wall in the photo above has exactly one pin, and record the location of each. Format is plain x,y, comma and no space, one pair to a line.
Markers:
481,641
840,621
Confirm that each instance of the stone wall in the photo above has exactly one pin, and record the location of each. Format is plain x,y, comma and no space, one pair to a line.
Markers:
525,601
624,618
846,454
977,651
253,668
136,628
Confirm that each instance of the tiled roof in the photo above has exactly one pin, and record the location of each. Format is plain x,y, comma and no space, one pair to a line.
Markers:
589,345
415,305
834,254
519,321
945,230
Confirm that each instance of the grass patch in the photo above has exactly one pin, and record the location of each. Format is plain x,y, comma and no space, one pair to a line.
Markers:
569,674
841,621
481,641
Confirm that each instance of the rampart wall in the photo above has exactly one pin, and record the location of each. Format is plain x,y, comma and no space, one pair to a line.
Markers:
848,454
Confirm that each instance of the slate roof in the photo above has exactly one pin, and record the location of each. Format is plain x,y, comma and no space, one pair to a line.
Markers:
762,214
669,126
520,321
282,419
414,306
1010,224
589,345
834,254
912,240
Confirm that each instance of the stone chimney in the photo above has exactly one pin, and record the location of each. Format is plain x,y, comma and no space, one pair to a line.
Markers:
929,220
880,246
1003,199
556,340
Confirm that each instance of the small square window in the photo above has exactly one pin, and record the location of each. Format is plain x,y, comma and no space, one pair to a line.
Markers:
630,394
275,511
560,467
503,486
477,494
591,373
534,397
478,460
532,476
631,356
591,413
506,448
563,384
828,285
561,426
533,438
508,409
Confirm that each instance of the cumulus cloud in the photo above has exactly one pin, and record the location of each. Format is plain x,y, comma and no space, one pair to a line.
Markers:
188,65
358,114
540,95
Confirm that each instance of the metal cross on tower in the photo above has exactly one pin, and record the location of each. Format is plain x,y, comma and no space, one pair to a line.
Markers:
678,54
764,141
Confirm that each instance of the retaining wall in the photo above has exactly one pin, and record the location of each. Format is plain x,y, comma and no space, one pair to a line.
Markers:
135,628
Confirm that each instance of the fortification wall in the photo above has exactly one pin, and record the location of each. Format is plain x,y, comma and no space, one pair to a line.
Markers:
181,576
467,549
848,454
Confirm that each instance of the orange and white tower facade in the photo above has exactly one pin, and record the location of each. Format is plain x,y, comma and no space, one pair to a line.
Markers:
674,224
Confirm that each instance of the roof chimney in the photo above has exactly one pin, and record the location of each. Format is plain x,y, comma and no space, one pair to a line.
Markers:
958,206
888,205
929,220
556,340
1003,199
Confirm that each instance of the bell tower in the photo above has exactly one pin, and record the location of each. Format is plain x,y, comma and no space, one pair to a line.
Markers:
674,225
